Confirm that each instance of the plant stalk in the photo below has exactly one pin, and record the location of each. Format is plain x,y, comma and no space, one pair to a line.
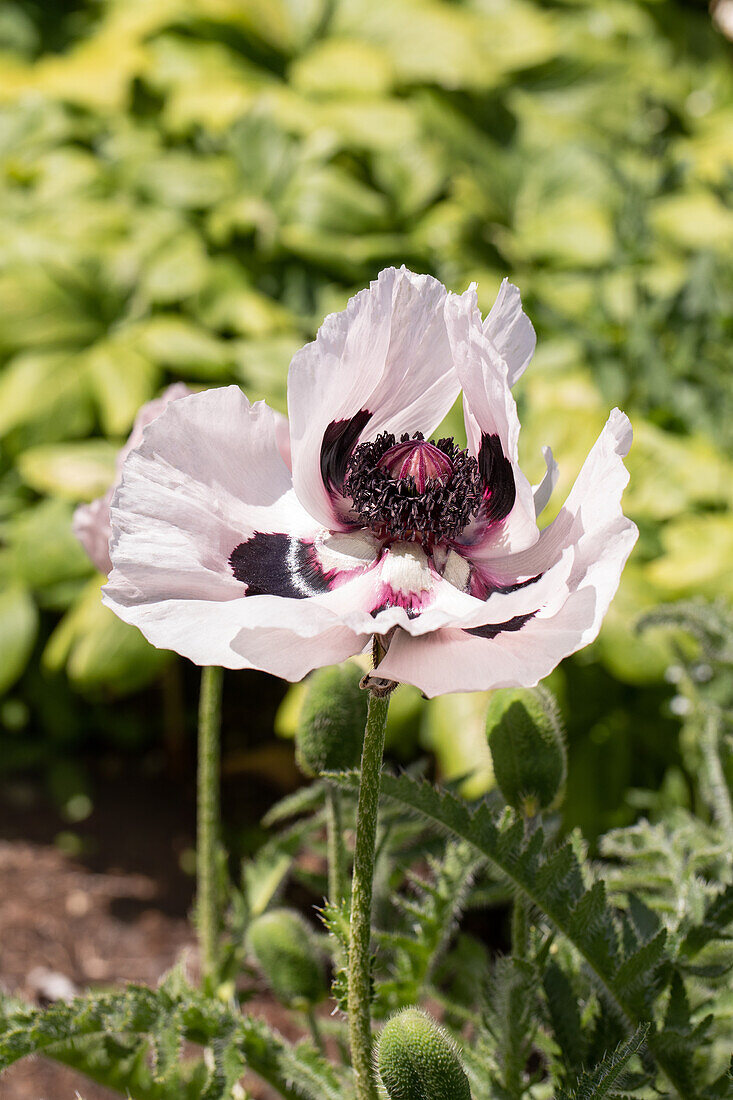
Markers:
337,886
520,928
359,966
209,752
315,1030
719,793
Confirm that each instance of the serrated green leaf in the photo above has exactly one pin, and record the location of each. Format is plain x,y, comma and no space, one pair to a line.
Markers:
599,1082
588,922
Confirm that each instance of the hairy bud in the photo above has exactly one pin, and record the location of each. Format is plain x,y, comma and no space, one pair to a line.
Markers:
527,743
330,732
283,946
418,1061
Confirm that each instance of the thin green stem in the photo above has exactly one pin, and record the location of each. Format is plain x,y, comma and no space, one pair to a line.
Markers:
360,981
719,793
209,751
314,1029
520,909
337,886
520,928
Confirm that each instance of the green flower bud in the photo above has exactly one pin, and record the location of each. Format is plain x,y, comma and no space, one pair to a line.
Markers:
418,1061
330,732
527,744
284,947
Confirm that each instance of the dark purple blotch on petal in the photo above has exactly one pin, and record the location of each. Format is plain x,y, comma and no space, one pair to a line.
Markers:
505,589
482,586
498,479
490,630
339,440
278,565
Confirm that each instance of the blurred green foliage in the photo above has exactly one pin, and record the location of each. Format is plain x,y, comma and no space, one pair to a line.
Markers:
188,186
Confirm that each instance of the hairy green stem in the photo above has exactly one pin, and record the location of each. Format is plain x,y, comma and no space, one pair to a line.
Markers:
209,751
360,981
314,1029
520,928
337,887
520,908
719,799
719,793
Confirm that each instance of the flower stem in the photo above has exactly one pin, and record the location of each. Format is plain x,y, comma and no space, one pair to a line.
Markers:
336,849
719,793
520,912
520,929
315,1029
208,821
360,984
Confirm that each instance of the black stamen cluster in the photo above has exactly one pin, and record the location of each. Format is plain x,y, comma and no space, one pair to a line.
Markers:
393,507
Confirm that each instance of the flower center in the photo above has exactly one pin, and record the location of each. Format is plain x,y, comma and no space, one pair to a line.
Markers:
416,459
413,490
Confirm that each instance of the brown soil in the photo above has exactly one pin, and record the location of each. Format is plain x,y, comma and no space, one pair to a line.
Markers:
114,911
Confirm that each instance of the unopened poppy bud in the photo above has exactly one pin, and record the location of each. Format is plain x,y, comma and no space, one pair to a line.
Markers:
417,1060
527,743
330,733
283,946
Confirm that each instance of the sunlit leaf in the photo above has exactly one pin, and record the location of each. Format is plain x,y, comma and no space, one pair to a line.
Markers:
18,626
72,471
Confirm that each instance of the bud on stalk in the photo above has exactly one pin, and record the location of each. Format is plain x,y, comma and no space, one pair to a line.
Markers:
330,732
418,1061
283,945
527,743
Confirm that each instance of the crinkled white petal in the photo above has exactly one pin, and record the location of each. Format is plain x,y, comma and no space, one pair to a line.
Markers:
147,413
450,660
543,491
584,550
511,331
91,523
92,528
206,477
282,436
291,656
489,408
593,504
346,552
403,590
388,353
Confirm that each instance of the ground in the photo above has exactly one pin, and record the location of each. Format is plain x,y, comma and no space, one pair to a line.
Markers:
114,909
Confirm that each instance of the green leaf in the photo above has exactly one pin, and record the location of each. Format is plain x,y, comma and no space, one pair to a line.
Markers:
42,548
553,884
565,1018
167,1044
432,910
176,271
18,627
599,1082
508,1016
343,67
265,874
717,924
43,398
297,1072
183,347
71,471
228,1065
98,650
121,380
